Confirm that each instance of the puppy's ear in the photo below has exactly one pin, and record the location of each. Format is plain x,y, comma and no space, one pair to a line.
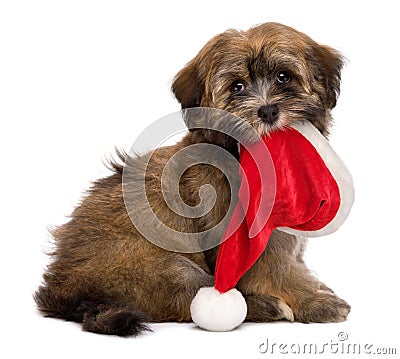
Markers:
327,64
188,85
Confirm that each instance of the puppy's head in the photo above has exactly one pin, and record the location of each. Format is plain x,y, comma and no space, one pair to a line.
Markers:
270,76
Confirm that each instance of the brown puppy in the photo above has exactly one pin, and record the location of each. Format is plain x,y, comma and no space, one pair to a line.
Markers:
107,276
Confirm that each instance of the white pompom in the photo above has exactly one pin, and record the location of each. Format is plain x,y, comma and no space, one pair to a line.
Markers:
218,312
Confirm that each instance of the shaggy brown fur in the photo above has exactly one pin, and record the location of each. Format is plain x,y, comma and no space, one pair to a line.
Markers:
105,275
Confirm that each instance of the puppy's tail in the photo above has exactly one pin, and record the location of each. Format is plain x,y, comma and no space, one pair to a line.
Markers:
97,316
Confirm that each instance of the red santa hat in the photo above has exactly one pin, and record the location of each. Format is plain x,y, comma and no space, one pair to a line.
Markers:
303,188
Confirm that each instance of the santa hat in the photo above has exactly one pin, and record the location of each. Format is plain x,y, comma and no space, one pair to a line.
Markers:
291,180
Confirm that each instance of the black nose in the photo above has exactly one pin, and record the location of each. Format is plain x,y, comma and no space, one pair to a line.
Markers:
269,114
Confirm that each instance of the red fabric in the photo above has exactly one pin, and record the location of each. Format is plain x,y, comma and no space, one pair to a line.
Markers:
304,196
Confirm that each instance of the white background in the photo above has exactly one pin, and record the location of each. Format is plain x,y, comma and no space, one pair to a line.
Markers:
80,77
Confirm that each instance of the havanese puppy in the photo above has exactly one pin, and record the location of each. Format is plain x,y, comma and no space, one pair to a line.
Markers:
107,276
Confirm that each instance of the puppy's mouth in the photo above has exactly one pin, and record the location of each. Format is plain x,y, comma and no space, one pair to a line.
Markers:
265,126
269,118
263,120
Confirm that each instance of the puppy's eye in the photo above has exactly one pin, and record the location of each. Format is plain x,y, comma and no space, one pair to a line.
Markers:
237,86
283,77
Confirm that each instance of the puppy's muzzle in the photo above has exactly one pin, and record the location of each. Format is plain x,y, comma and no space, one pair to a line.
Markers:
269,114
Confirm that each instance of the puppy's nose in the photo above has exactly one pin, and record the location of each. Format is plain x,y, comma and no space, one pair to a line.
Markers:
269,114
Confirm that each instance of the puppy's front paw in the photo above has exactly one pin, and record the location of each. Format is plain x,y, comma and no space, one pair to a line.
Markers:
267,309
323,307
286,311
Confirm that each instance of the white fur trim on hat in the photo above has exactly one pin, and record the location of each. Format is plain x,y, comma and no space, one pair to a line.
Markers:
339,172
218,312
